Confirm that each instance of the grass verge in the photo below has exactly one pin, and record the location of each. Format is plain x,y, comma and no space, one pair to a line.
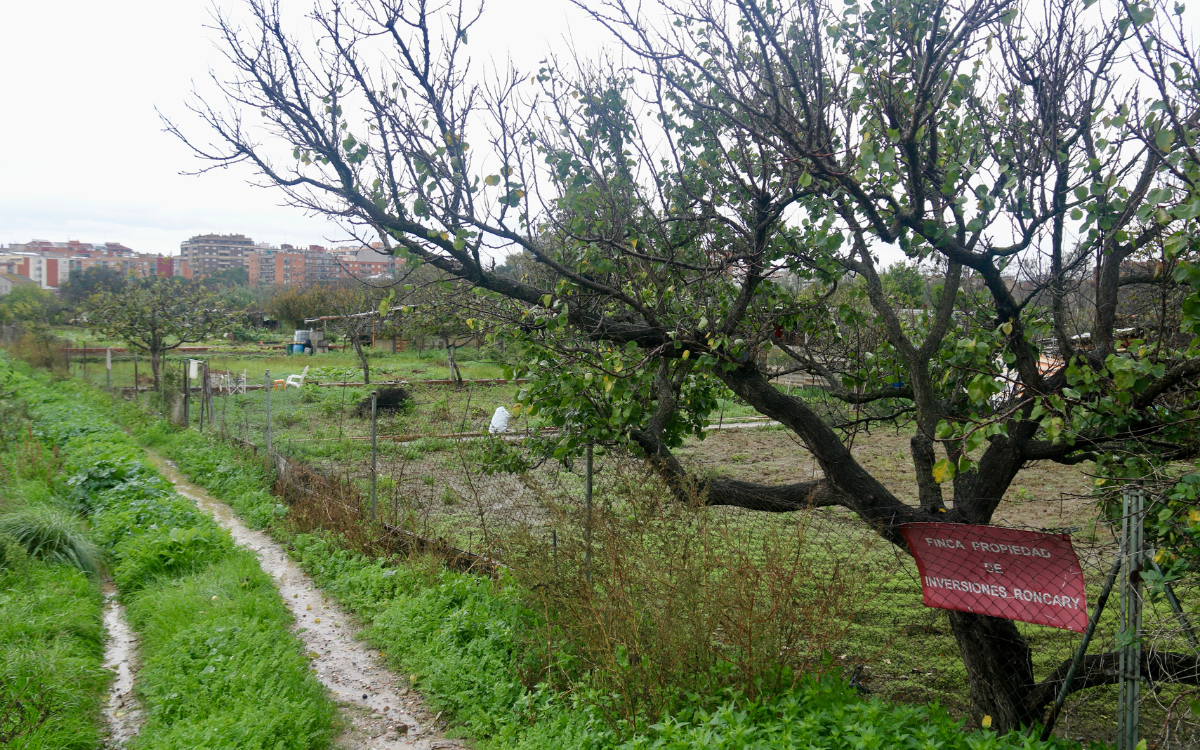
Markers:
220,667
51,619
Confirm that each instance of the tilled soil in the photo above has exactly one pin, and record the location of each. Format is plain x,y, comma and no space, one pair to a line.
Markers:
379,710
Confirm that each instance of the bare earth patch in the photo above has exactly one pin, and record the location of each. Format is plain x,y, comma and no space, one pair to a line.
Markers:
1044,495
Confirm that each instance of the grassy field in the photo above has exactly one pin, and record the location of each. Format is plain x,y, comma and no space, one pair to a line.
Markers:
254,361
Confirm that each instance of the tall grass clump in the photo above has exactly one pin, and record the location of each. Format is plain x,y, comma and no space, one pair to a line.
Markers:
54,536
668,602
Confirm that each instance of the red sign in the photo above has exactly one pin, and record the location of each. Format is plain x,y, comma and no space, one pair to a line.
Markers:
990,570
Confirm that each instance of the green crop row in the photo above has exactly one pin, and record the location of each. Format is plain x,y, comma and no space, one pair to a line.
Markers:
219,665
469,645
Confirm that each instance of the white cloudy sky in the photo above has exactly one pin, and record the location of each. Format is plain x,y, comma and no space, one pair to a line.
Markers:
85,157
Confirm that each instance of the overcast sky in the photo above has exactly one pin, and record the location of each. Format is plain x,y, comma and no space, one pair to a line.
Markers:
85,157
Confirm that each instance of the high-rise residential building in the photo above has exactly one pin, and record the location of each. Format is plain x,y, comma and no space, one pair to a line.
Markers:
207,254
287,265
48,270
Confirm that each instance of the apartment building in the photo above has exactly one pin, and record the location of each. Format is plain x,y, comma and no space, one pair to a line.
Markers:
366,262
287,265
50,264
207,254
46,270
139,266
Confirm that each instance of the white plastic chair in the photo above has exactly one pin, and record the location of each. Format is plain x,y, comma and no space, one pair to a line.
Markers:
296,380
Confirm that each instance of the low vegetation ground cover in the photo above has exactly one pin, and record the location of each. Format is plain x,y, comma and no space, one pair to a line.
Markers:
51,629
499,662
219,667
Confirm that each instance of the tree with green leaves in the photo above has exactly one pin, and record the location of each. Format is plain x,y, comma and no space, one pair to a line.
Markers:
155,316
82,285
1041,160
227,277
29,304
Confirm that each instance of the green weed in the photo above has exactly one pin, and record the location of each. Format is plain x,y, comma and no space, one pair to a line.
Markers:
52,535
51,649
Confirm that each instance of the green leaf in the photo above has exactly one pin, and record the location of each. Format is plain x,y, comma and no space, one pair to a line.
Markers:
943,471
1141,15
492,179
973,441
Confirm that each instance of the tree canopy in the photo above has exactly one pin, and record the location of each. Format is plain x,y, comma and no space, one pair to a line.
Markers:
156,315
82,285
728,196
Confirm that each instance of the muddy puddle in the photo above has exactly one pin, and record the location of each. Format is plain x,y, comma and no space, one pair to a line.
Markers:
123,714
379,711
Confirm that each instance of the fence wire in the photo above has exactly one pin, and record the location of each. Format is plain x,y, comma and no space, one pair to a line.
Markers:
815,589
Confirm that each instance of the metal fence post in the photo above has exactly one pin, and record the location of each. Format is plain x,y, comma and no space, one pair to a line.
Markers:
1083,646
268,387
374,451
1130,661
108,367
136,396
187,395
203,375
587,529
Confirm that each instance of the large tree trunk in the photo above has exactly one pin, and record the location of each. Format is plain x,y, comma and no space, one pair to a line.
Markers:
155,357
999,670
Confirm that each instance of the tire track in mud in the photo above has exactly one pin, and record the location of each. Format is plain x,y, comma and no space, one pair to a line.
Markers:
379,711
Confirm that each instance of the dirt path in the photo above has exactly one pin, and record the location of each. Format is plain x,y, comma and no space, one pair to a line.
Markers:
379,711
123,714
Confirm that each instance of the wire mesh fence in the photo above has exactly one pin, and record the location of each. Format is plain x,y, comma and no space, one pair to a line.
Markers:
688,586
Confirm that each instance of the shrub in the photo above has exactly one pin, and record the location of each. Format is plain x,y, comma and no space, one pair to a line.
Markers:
52,535
822,714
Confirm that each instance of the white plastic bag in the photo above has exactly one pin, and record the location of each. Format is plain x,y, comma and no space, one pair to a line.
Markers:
499,420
